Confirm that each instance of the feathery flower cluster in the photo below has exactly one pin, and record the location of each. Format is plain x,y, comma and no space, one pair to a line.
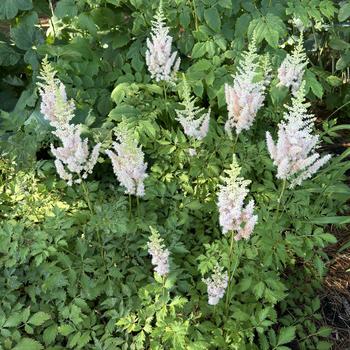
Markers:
291,71
294,153
128,161
216,285
54,103
160,255
233,216
73,158
194,126
162,64
247,95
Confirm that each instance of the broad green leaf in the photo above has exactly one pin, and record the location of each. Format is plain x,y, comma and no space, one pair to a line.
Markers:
212,18
10,8
50,334
286,335
313,84
39,318
14,320
199,50
25,34
344,12
338,44
28,344
66,8
8,56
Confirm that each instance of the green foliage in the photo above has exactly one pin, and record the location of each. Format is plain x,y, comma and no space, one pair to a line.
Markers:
75,277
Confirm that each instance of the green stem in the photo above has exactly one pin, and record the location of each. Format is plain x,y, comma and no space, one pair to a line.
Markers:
231,272
194,12
129,205
235,143
281,195
138,205
87,199
86,195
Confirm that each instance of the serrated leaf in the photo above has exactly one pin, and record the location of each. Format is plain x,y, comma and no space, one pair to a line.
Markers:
14,320
50,334
286,335
39,318
199,50
313,84
28,344
65,329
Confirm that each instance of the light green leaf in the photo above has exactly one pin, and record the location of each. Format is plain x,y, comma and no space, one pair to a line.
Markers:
286,335
39,318
14,320
50,334
199,50
336,220
28,344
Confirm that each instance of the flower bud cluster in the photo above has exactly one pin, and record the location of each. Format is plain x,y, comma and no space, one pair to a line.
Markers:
160,255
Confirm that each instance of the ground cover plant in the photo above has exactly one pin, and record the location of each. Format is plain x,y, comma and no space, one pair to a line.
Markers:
169,172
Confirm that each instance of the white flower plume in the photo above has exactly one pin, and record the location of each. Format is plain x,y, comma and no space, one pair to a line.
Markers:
160,255
161,63
291,71
247,94
73,160
74,156
216,285
128,161
194,122
54,103
294,153
233,216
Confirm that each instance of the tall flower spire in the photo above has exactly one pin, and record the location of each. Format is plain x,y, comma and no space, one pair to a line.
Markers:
194,124
73,160
233,216
291,71
160,255
246,96
295,154
161,63
54,103
128,161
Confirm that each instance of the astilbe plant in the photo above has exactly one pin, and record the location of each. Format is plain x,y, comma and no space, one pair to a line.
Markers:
233,216
291,71
128,161
294,153
194,122
161,63
247,95
73,160
159,253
